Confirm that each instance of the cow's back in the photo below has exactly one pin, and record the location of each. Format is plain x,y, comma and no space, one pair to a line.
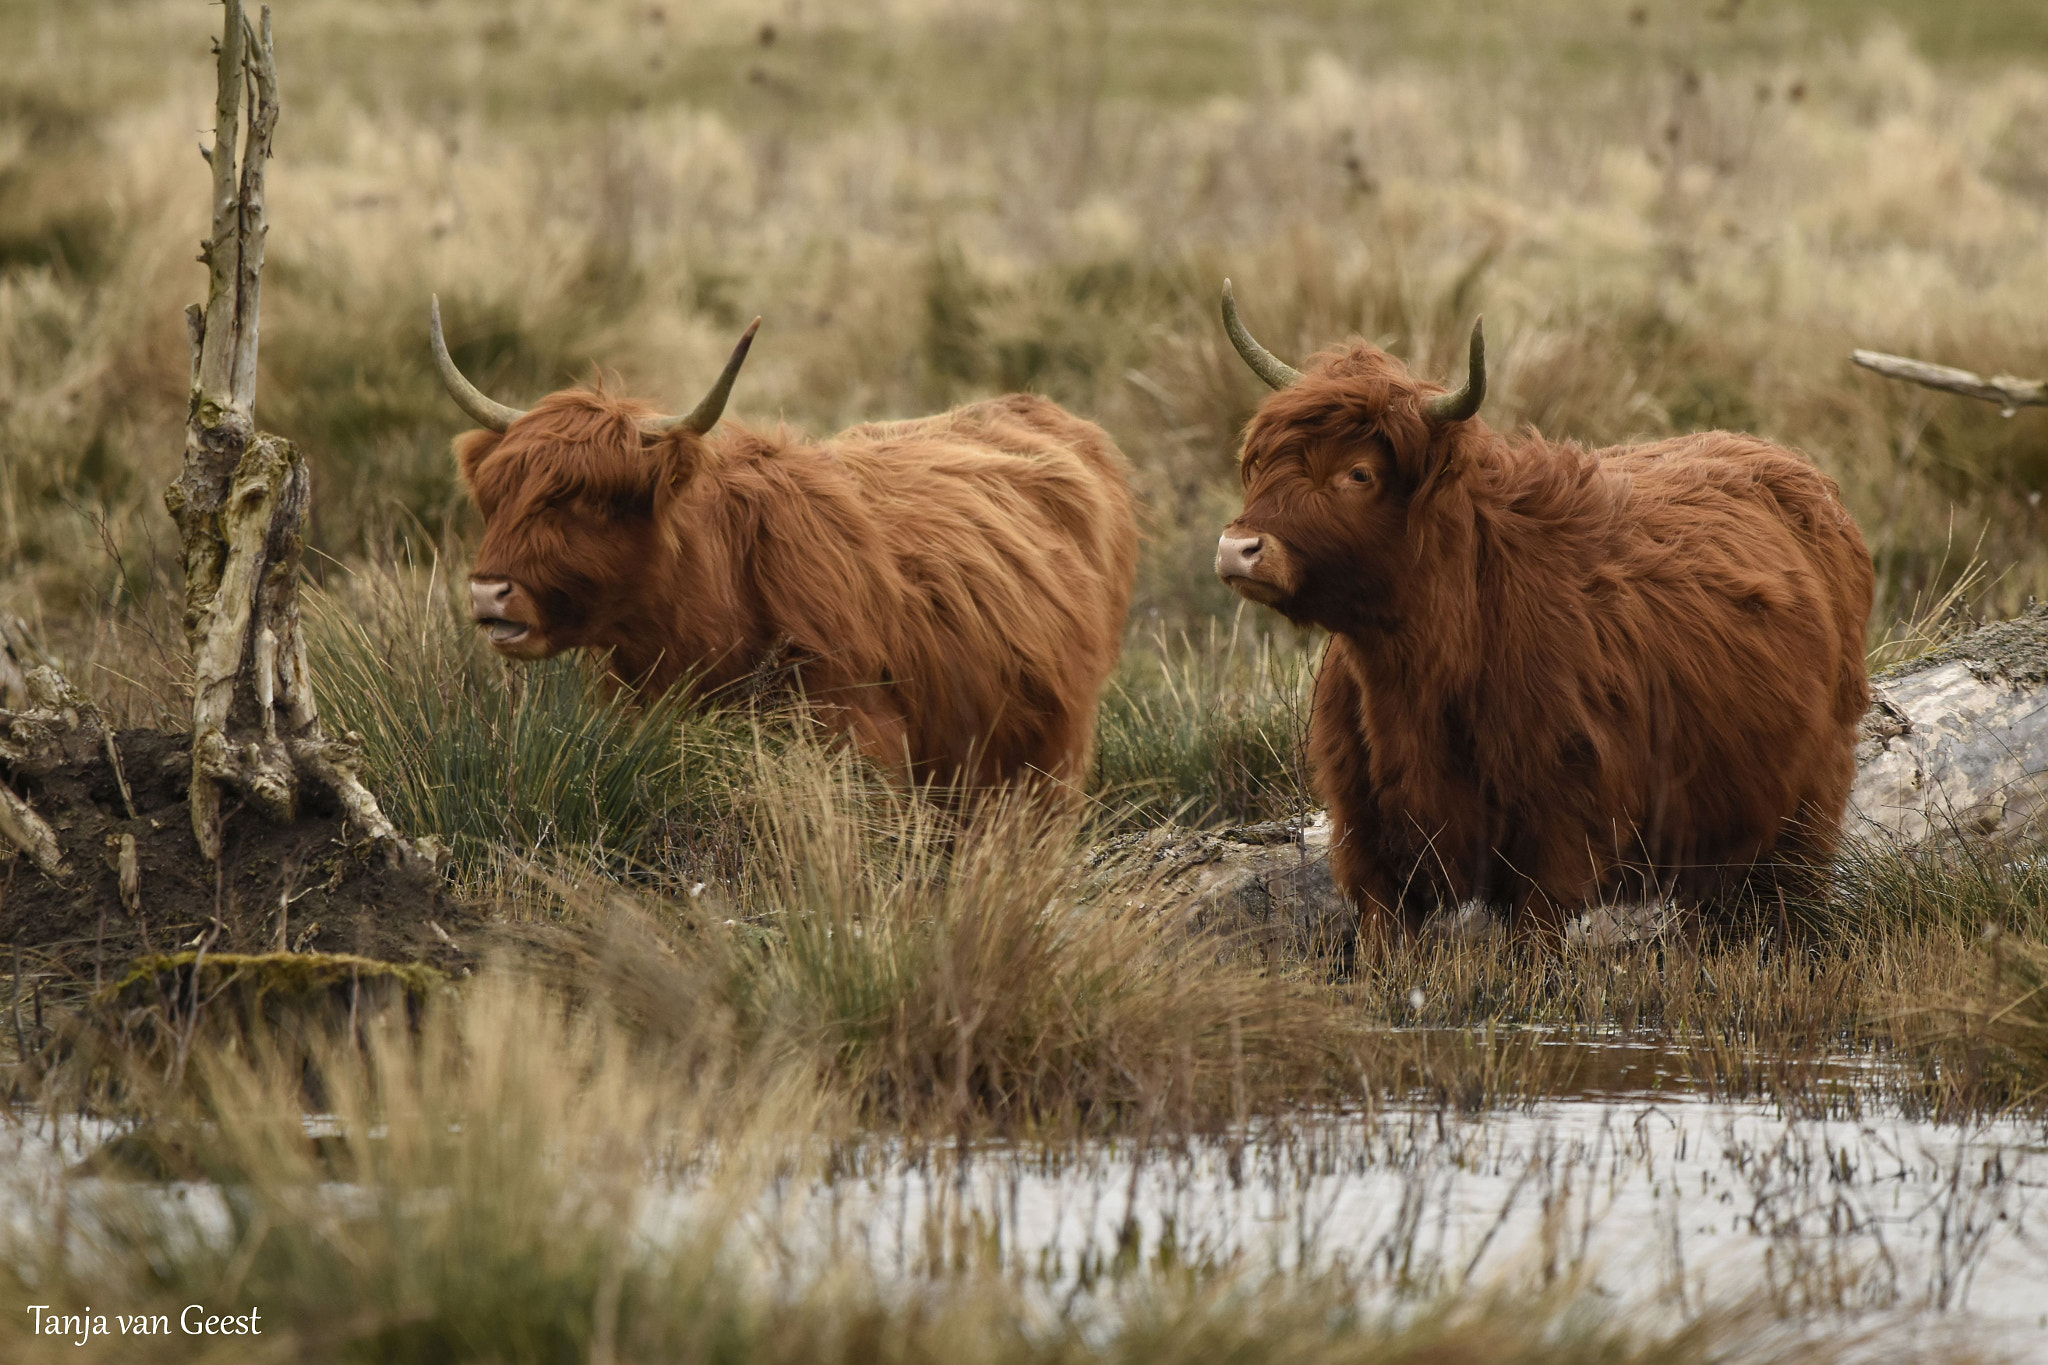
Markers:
1729,513
1752,588
1011,545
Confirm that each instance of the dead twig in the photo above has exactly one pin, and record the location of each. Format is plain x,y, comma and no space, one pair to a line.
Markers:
14,1007
29,832
120,776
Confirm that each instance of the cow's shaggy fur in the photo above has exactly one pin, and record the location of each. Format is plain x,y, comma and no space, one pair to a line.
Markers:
950,592
1558,675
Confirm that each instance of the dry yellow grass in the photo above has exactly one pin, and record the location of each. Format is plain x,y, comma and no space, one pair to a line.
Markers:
1670,224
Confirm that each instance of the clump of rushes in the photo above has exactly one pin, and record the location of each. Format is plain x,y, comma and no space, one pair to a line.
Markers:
539,761
1987,1040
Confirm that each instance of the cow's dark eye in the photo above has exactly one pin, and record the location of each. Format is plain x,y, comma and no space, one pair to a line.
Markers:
1361,476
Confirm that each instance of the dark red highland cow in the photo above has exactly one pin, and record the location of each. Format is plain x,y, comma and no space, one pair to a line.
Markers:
1556,675
948,592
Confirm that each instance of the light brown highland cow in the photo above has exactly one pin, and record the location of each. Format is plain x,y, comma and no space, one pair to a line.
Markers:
948,592
1556,675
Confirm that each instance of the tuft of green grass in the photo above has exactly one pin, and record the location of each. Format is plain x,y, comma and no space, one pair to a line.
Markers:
1206,730
534,762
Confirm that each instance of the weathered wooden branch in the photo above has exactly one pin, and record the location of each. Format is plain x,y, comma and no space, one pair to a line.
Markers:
29,832
29,738
17,655
240,503
2003,389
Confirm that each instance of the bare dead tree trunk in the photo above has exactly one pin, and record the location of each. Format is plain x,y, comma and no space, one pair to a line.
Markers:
240,504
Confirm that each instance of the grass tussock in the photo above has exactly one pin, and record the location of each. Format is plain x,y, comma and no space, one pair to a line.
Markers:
1833,1008
1989,1032
543,763
966,974
1206,730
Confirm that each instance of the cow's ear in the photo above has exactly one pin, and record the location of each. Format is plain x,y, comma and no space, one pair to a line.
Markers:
472,448
676,456
1429,455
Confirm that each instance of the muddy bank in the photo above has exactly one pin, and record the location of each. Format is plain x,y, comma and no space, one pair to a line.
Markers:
312,886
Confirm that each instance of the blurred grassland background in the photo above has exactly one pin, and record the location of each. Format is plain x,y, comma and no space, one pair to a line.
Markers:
1674,216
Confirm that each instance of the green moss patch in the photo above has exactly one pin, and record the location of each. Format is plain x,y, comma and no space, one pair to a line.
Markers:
255,978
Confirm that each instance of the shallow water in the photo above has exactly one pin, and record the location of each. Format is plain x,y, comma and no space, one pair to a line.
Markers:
1675,1202
1657,1198
1662,1204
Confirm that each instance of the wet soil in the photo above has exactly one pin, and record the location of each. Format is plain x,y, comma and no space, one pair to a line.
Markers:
312,886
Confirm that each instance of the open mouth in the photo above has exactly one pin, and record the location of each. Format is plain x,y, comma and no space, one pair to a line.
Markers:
1265,594
504,632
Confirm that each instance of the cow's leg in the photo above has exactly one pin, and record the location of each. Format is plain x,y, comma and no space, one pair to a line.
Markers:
1796,871
1342,763
877,727
1065,744
1788,861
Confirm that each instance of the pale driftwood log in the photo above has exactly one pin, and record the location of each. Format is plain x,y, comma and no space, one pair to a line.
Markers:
1957,741
240,504
2003,389
30,833
1955,746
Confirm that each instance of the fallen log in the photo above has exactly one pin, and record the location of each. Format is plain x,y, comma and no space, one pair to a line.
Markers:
1955,745
1956,741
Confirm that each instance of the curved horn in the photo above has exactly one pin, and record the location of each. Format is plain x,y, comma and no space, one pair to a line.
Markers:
705,415
1277,373
1456,407
484,411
